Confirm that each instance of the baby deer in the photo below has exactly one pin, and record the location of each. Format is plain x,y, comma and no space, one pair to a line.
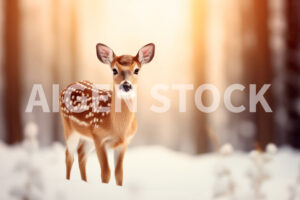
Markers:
96,119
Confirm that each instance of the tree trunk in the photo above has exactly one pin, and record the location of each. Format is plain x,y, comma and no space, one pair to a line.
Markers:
263,71
12,72
293,71
57,134
257,65
199,27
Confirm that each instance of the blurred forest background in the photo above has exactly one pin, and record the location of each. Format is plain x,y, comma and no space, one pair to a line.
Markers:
197,41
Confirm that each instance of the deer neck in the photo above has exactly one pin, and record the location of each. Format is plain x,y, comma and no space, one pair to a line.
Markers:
122,114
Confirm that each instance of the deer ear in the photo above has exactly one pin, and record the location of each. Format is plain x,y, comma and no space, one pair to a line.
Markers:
104,53
146,53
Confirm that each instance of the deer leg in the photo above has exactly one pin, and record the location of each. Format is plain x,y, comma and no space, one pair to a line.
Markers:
105,170
69,155
119,154
83,152
69,163
82,158
102,157
72,144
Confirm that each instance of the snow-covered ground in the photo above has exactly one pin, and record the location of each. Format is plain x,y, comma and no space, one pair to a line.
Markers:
150,172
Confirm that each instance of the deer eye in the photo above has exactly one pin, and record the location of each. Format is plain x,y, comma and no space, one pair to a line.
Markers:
136,71
115,71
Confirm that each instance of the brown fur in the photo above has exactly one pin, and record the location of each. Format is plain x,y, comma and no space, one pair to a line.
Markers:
126,60
114,129
118,125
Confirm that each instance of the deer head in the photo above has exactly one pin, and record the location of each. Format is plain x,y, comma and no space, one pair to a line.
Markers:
125,68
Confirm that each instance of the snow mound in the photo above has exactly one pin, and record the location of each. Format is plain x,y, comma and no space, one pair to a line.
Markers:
150,172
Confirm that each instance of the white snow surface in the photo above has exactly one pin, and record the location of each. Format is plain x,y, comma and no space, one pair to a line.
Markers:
150,172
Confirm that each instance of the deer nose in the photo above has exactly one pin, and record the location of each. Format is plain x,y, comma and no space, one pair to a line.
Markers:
126,87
